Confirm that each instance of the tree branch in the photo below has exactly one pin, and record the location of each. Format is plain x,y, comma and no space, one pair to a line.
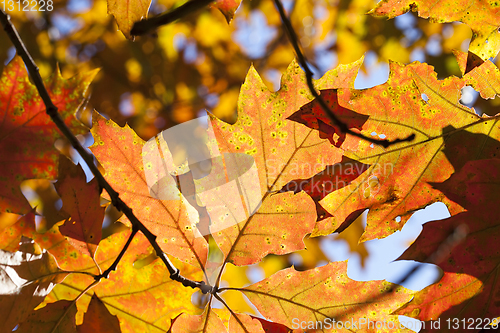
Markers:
309,75
144,26
52,111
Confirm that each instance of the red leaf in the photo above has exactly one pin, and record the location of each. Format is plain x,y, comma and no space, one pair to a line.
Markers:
27,132
81,200
97,319
313,116
470,265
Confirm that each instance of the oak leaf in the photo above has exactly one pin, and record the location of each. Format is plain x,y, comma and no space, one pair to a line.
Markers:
98,319
81,200
28,134
412,101
283,150
296,298
480,16
470,268
119,150
127,13
57,317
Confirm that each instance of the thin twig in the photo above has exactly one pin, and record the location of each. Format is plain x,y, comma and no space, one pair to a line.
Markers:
52,111
309,78
144,26
113,266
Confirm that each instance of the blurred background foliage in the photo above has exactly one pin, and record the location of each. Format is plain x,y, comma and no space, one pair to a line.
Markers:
197,63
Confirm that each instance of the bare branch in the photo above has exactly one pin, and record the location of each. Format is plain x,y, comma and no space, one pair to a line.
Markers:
144,26
52,111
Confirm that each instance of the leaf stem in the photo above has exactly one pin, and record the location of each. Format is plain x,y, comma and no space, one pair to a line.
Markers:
146,25
292,36
52,111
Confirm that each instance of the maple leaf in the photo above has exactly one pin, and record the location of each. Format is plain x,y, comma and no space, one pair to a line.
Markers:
480,16
397,183
28,133
290,297
283,150
82,202
227,8
470,269
98,319
57,317
119,150
27,276
127,13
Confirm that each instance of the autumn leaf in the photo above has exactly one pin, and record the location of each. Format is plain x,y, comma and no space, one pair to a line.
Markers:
98,319
412,101
480,16
312,115
270,327
283,150
27,276
485,79
119,150
28,133
81,200
290,297
470,269
208,321
69,258
57,317
127,13
227,8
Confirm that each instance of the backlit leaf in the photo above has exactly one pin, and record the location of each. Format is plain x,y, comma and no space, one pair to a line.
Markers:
297,299
480,16
471,265
119,150
396,185
28,134
98,319
127,13
283,150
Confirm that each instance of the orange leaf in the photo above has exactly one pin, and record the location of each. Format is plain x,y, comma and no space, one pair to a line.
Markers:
127,13
283,150
412,101
470,268
119,150
480,16
227,8
28,134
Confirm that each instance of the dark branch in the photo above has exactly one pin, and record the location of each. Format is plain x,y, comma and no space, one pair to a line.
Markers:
309,78
144,26
51,110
